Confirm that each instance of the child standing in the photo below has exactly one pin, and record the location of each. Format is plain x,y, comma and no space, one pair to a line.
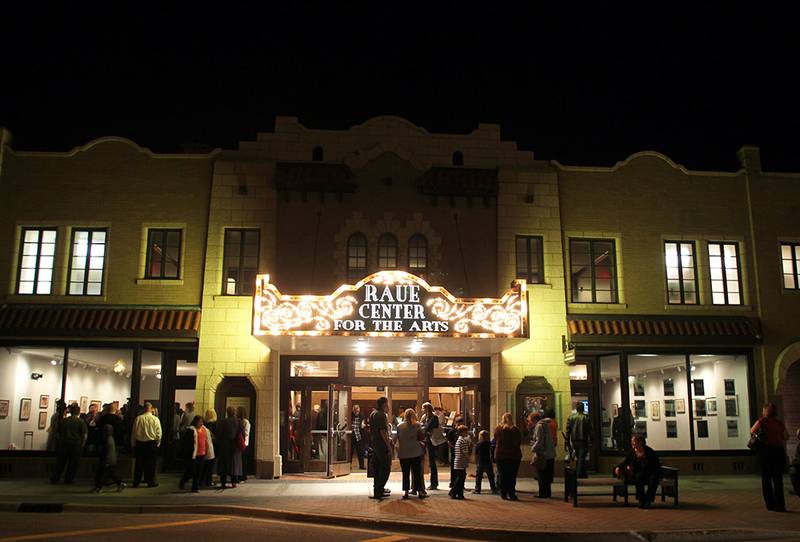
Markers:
483,457
460,462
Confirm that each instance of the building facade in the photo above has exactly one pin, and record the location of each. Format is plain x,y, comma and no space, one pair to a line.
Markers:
332,267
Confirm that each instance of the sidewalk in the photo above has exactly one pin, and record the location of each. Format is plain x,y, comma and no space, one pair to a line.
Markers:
723,508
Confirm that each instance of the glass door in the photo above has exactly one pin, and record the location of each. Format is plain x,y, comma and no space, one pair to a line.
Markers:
471,411
339,430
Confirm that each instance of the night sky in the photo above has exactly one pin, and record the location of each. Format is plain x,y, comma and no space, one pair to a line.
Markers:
586,85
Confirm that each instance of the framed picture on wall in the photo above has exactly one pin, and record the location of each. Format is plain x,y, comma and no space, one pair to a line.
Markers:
680,406
732,406
698,387
84,404
730,386
669,387
614,411
702,428
24,409
97,402
711,406
655,410
638,387
733,428
700,408
669,408
4,404
639,408
640,428
672,429
44,401
42,419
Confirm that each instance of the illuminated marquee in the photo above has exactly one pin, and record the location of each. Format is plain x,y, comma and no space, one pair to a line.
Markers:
390,303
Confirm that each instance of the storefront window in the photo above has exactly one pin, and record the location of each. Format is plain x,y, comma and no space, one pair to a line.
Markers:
454,369
315,368
658,395
614,415
29,389
97,376
150,387
386,369
720,401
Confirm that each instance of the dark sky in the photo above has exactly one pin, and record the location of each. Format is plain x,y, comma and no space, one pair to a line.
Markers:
584,84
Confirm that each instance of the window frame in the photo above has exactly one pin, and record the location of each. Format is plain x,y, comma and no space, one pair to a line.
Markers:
529,255
41,230
418,270
242,245
396,246
680,272
354,274
722,244
794,246
148,256
85,283
615,278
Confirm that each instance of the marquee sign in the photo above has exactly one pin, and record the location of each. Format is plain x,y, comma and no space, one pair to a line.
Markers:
390,304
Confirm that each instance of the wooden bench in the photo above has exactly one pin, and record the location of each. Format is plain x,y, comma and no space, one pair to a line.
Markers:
619,488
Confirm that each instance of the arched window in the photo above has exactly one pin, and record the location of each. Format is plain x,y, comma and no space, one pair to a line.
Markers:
317,155
356,257
418,254
458,158
387,251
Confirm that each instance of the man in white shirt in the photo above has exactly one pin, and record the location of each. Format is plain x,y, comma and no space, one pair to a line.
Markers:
146,439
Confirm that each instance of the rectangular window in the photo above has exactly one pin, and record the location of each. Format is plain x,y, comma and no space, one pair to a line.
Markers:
616,418
530,259
726,279
240,265
723,421
593,270
163,254
681,269
386,369
326,369
790,265
87,262
36,258
448,369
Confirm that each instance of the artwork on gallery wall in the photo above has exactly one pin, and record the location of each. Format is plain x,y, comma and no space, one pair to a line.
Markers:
669,408
732,406
711,406
42,419
4,404
84,404
672,429
669,387
733,428
639,408
99,404
614,411
680,406
730,386
24,409
698,387
44,401
638,387
640,428
702,428
700,408
655,410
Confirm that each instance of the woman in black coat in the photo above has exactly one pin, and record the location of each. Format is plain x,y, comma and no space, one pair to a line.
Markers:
643,468
226,448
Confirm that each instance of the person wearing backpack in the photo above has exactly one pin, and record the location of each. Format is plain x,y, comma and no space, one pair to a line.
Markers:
544,453
579,433
770,435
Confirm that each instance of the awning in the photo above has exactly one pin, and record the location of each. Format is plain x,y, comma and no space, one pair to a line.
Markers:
663,330
67,321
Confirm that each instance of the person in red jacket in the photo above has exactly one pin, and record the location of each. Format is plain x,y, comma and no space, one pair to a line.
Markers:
772,457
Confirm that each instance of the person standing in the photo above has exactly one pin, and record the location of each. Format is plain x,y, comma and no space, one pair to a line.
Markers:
245,426
72,435
145,440
229,457
197,441
410,440
355,442
771,456
483,459
579,433
107,463
507,455
55,422
643,468
381,448
186,417
460,462
544,454
112,418
210,423
434,438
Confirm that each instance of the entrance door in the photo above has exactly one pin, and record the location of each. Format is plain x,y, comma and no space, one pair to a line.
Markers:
339,430
471,410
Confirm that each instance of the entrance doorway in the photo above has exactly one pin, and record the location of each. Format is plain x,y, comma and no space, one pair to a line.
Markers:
237,391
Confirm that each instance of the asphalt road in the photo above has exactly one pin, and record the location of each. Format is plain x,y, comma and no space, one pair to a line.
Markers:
17,527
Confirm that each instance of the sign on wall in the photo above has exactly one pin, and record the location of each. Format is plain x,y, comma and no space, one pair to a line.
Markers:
390,303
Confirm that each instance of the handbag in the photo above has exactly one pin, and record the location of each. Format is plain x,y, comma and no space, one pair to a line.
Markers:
758,438
240,445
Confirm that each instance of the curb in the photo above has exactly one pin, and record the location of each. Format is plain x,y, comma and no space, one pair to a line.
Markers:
424,529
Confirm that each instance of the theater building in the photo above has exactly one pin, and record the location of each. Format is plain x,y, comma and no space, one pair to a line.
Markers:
332,267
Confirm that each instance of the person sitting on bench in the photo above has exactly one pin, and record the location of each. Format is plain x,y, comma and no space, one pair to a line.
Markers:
642,468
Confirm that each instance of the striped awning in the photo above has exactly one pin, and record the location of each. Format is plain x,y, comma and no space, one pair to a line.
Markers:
736,330
39,321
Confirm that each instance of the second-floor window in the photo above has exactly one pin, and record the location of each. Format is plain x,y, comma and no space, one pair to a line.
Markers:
87,262
529,259
387,251
681,270
36,259
240,262
593,271
790,264
726,277
356,257
163,254
418,254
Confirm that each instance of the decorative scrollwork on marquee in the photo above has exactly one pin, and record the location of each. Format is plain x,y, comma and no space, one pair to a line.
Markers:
499,319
